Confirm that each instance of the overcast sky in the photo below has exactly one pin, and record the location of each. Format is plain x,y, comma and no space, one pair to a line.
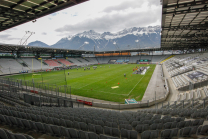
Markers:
99,15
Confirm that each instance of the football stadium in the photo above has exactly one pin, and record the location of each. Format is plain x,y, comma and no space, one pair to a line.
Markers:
142,93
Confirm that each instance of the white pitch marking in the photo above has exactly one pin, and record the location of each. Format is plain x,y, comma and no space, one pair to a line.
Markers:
135,86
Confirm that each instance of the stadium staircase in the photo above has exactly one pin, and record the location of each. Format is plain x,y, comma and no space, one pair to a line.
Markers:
44,63
58,61
70,61
86,59
79,60
97,59
64,61
52,63
167,59
22,62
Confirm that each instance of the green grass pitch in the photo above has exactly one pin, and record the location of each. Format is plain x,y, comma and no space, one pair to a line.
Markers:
97,83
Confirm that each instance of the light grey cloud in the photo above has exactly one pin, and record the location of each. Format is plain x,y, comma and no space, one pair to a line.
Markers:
131,4
7,37
44,33
54,14
114,22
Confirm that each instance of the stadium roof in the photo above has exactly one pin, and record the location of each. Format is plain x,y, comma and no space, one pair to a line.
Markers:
9,48
16,12
184,23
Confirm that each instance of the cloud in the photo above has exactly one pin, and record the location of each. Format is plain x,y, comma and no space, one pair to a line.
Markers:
7,37
44,33
98,15
131,4
54,14
114,22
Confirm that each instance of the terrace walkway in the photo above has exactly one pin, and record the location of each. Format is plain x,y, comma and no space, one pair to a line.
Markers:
156,84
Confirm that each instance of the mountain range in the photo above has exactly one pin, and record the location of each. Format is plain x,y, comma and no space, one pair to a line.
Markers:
131,38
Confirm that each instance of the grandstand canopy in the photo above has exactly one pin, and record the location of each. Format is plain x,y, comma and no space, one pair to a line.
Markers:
16,12
6,48
10,48
184,23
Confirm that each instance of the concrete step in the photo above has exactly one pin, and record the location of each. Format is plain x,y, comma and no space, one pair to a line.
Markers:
203,94
195,94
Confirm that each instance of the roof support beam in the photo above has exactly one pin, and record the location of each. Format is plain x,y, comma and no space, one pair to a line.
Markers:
4,10
184,36
188,4
196,10
18,3
187,27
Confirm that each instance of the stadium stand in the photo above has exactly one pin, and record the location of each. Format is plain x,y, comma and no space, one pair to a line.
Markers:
11,66
52,63
99,123
63,61
8,66
35,64
75,61
92,60
185,118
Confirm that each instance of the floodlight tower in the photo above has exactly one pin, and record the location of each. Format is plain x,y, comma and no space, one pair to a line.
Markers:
24,39
116,45
85,43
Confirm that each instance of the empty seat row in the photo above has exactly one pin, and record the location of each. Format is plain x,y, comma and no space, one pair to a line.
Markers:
6,134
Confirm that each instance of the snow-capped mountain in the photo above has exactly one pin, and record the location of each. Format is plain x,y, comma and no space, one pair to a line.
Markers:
126,39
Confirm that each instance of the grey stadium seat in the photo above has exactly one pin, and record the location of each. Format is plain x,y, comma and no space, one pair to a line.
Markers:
125,126
3,134
91,128
69,123
107,130
26,124
185,132
150,134
92,135
19,136
107,137
62,122
83,135
73,133
202,130
65,132
40,127
76,125
48,129
142,128
115,132
166,134
56,130
146,135
83,126
98,129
